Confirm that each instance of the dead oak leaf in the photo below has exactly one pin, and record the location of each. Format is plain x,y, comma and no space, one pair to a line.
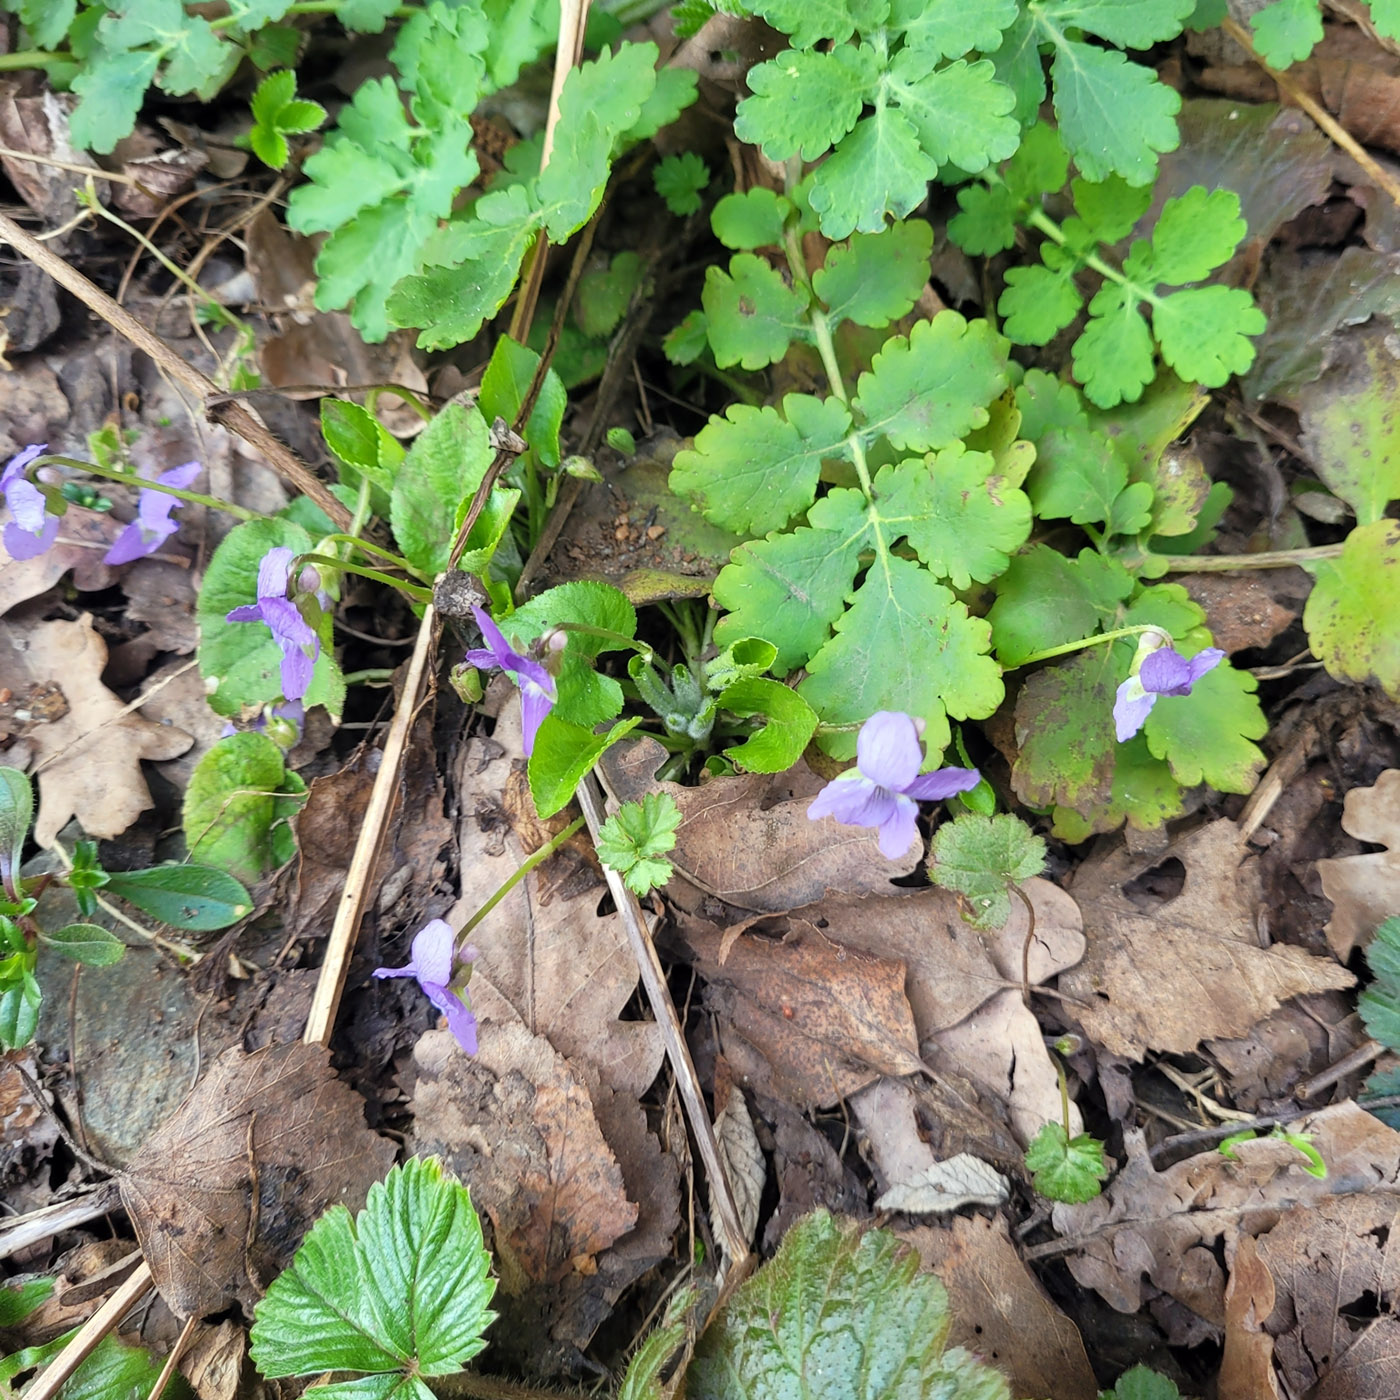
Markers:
1365,889
1247,1366
223,1191
748,841
1190,968
88,762
517,1125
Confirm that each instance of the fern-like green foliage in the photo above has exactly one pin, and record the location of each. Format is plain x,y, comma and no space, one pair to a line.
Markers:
837,1314
1203,332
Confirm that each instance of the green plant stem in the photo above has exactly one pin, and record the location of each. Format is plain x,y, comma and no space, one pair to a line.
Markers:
370,547
399,391
630,643
538,858
380,676
1084,642
31,58
1229,563
411,590
127,479
357,521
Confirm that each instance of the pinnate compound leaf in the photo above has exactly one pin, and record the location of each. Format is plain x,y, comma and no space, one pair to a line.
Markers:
112,87
931,389
1113,359
755,469
1204,332
1195,233
962,519
1380,1002
1205,736
905,644
878,169
835,1304
1287,31
981,857
399,1291
804,102
1045,599
1351,618
1115,116
789,589
810,21
751,312
1039,302
1065,1168
876,278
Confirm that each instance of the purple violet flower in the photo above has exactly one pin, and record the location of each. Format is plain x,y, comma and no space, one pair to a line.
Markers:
430,961
291,631
1162,672
884,788
537,689
32,529
153,525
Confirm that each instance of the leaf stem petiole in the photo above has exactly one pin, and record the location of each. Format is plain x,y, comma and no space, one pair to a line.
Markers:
1229,563
50,459
1084,642
411,590
538,858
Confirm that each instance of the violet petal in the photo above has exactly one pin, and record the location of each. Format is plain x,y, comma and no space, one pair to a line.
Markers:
888,751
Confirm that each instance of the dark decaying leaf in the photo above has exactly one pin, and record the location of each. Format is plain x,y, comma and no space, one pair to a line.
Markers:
223,1191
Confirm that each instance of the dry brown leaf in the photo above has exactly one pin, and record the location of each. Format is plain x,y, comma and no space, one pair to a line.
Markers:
517,1125
88,762
223,1191
747,840
325,830
27,1130
827,1019
739,1149
947,1186
1365,890
546,954
810,1174
1191,968
1331,1263
1246,610
1247,1367
178,698
84,537
214,1359
1001,1312
1162,1226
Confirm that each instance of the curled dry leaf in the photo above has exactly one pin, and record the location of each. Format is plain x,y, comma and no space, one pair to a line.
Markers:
1000,1311
747,840
223,1191
88,761
739,1149
1191,968
963,1180
1365,889
546,954
1247,1367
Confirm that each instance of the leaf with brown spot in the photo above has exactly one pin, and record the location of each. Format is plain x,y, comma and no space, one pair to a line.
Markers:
88,762
1191,968
275,1126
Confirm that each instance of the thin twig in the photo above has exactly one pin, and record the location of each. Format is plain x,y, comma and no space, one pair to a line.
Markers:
229,415
1358,1059
90,1334
1026,945
25,1230
722,1205
331,982
171,1361
1297,94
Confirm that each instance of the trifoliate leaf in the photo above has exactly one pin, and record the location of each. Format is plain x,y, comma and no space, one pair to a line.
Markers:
789,589
679,180
836,1307
750,220
1204,332
1205,736
1113,359
1064,729
754,469
961,113
981,858
962,519
399,1292
790,724
951,28
1045,600
932,389
805,102
905,644
1287,31
271,95
876,278
1039,303
1380,1002
752,314
1115,116
1351,619
1064,1168
635,838
878,169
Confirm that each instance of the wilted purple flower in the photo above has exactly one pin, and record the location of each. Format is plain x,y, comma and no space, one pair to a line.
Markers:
1161,672
299,642
430,961
32,529
153,525
884,788
537,689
